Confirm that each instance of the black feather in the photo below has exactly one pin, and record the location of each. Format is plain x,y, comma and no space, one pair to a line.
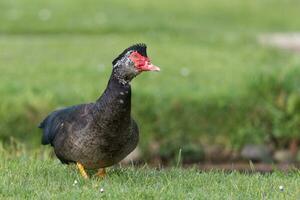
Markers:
52,122
141,48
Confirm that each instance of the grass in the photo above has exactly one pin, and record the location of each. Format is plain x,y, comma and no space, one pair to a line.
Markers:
35,176
58,53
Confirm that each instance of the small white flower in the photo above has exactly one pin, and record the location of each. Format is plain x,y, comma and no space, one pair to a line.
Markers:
185,72
44,14
101,190
75,182
281,188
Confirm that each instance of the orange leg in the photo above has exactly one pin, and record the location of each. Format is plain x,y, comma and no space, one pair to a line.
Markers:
82,171
101,173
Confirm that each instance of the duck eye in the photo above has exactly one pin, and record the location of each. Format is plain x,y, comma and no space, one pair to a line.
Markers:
134,55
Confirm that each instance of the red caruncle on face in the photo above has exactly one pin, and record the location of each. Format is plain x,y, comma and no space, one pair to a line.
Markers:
142,63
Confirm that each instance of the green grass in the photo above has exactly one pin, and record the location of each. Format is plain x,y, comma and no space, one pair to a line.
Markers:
91,17
58,53
35,176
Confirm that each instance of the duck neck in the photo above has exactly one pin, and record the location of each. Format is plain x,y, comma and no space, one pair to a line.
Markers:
116,99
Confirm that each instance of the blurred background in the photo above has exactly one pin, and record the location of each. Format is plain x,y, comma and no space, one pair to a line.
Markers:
228,91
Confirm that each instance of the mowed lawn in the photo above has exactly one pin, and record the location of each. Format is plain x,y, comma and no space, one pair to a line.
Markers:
31,177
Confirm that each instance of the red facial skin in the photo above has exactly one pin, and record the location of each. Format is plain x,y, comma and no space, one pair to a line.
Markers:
142,63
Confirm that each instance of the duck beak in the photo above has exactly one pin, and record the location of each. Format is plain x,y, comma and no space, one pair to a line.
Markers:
150,67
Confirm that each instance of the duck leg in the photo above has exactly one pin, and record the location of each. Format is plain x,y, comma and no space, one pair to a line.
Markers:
82,170
101,173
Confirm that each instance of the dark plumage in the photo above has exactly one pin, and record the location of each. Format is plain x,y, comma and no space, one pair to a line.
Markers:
102,133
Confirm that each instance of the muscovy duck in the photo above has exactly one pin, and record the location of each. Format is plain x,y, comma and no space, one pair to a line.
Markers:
100,134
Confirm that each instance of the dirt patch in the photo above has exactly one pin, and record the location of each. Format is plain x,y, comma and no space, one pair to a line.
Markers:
285,41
